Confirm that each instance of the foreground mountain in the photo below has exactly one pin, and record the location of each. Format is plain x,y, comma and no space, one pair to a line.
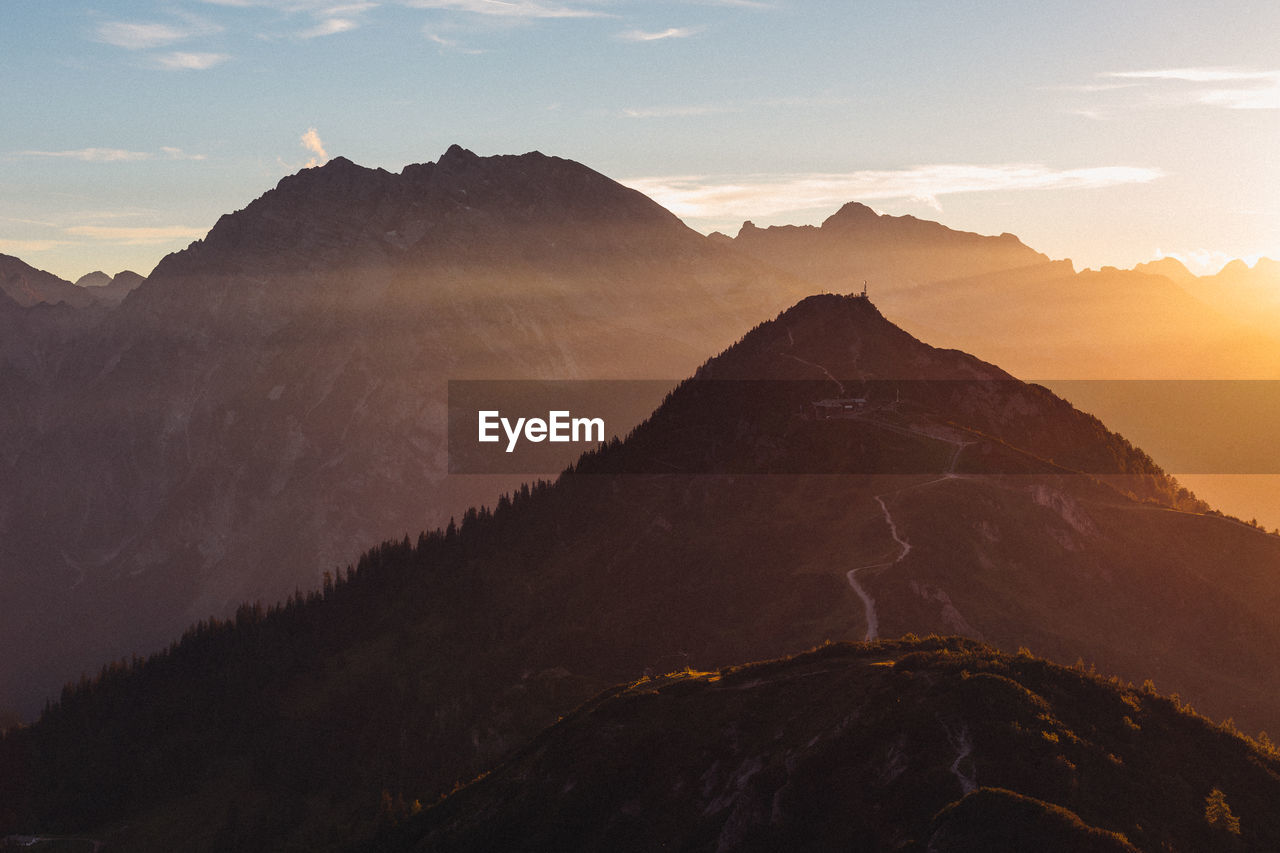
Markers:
272,399
910,745
952,499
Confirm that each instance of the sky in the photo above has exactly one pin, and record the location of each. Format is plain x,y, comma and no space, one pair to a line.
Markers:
1107,133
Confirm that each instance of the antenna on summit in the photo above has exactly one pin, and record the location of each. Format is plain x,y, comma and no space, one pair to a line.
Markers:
864,288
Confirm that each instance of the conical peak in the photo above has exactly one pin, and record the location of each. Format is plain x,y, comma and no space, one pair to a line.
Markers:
853,213
844,336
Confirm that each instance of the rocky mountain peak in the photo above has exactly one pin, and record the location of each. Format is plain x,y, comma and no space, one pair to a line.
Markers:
317,215
841,337
851,214
97,278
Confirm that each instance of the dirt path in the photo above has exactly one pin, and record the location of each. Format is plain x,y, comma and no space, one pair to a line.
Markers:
868,602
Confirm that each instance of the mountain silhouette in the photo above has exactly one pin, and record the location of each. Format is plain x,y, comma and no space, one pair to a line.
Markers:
998,299
28,286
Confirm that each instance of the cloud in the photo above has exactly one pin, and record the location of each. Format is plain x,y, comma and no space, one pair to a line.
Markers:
736,198
670,33
451,44
680,112
318,7
178,154
27,247
311,142
93,155
145,36
113,155
328,27
139,36
1231,88
136,235
729,107
180,61
506,8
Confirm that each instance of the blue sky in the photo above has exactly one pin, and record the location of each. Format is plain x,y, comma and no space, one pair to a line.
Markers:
1107,133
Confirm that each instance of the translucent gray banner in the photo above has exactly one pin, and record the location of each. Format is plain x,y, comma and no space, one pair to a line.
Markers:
915,426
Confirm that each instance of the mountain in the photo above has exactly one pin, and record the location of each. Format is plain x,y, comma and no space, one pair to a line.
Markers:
886,250
1171,268
108,289
272,399
910,745
998,299
97,278
1248,294
735,524
27,286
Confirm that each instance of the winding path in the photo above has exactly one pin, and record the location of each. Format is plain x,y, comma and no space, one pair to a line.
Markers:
869,603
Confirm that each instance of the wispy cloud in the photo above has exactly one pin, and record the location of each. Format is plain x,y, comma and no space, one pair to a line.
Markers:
329,27
136,235
311,141
451,44
113,155
29,247
735,198
686,110
317,7
182,61
508,8
135,35
680,112
178,154
669,33
93,155
1231,88
740,4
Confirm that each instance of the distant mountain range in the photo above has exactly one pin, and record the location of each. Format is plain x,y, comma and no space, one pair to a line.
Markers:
29,286
272,399
318,724
1037,318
